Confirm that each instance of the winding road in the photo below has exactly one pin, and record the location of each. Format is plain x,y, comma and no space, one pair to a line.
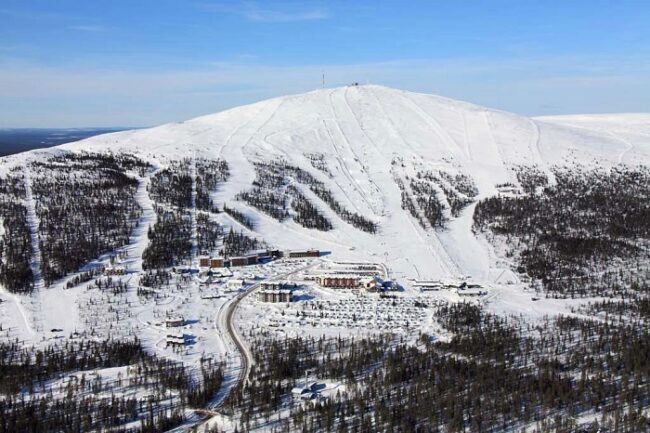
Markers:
241,346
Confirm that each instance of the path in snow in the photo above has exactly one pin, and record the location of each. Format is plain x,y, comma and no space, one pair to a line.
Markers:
35,325
243,173
350,131
428,234
139,238
195,239
32,222
434,126
536,153
430,237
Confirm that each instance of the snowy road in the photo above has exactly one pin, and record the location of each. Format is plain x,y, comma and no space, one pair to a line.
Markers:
226,324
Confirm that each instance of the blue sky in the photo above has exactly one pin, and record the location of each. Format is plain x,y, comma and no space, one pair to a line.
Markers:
71,63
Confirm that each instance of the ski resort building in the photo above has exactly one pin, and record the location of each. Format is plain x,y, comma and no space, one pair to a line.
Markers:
235,284
428,285
217,262
174,322
175,340
277,285
372,284
244,260
221,262
470,291
270,295
301,254
339,281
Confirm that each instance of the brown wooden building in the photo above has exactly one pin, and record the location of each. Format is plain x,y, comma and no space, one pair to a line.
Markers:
339,282
299,254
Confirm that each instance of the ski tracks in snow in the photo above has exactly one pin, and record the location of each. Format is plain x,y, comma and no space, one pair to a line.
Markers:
139,238
435,126
350,148
35,261
195,237
536,153
33,224
628,148
428,237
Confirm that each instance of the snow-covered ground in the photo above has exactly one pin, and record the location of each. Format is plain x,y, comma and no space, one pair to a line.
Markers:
360,131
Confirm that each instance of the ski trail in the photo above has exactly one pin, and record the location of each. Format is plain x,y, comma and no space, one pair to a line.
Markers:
358,122
35,261
428,235
468,146
346,140
490,130
32,222
264,124
195,245
344,169
628,148
433,124
139,238
233,152
369,140
536,153
18,301
435,246
379,154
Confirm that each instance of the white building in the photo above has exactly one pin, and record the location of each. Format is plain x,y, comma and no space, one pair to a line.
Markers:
426,285
372,284
235,284
473,291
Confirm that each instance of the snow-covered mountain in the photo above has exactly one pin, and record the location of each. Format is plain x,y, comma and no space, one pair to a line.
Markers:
100,250
367,138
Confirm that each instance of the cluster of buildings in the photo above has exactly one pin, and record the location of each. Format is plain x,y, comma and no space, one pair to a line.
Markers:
309,391
179,339
370,283
462,289
255,258
354,275
220,262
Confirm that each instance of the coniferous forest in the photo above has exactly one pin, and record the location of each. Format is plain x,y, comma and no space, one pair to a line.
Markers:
47,390
569,233
496,374
587,234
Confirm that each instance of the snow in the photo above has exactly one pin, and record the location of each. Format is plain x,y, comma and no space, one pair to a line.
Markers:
360,131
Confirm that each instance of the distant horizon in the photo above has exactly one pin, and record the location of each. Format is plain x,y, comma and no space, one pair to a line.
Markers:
18,140
117,128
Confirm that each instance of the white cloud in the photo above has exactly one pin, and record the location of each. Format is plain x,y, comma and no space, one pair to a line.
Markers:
274,16
287,12
93,28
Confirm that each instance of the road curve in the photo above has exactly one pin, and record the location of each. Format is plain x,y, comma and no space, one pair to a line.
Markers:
244,352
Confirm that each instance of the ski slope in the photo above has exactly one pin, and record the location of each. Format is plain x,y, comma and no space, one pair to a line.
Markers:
360,131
